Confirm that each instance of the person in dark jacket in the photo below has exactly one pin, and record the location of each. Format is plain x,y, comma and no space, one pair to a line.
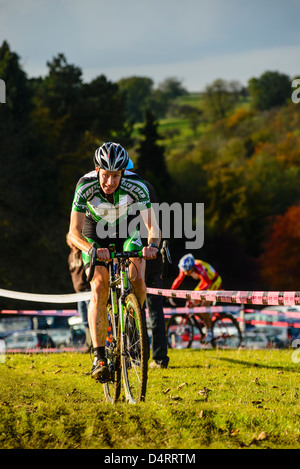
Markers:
154,303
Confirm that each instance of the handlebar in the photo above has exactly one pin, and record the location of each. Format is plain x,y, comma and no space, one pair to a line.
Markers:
164,253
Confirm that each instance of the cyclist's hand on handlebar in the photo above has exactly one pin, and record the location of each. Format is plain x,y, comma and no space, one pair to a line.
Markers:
149,252
103,254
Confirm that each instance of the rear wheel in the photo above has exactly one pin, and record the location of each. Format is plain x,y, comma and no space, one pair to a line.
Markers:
180,331
226,332
134,356
112,388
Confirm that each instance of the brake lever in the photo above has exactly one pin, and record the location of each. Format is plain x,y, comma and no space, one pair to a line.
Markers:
166,258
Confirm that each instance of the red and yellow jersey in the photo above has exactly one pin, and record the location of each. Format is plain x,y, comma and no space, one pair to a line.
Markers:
203,271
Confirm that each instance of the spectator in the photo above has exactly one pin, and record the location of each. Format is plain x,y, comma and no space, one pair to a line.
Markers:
154,304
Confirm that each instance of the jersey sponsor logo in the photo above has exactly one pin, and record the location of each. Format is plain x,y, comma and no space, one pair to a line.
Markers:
134,188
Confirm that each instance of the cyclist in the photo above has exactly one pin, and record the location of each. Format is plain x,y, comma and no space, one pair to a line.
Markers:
209,280
102,206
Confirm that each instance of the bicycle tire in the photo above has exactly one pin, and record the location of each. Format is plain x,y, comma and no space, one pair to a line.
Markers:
112,389
226,332
134,356
180,331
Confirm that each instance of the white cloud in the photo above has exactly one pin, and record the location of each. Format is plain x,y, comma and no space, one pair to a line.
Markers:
199,73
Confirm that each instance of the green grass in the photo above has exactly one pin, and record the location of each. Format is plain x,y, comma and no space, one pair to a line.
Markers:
205,399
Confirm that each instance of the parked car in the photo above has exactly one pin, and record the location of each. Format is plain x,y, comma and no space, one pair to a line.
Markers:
29,340
256,341
61,337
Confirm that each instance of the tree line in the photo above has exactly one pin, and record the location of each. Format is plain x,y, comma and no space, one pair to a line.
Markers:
244,167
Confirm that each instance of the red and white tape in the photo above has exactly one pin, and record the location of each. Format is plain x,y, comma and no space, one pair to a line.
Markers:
270,298
266,298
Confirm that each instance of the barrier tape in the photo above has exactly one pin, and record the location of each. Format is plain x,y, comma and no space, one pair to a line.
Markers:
252,322
69,298
267,298
167,311
49,312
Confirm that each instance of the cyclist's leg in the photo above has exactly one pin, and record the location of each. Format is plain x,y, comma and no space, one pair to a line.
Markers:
97,315
98,322
137,267
206,317
97,312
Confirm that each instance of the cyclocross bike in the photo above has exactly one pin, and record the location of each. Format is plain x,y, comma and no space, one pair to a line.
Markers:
183,328
127,341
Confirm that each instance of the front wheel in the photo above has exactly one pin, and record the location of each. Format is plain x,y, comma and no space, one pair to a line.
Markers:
134,352
226,332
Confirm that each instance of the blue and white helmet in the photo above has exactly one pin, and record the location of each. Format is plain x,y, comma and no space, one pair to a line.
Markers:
187,262
111,156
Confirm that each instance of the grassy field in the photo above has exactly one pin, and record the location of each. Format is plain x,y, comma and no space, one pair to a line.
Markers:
205,399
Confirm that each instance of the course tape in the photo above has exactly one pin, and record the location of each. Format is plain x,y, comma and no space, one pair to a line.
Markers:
69,298
268,298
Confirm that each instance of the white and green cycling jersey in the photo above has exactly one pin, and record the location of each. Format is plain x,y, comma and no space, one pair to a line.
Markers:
131,196
90,199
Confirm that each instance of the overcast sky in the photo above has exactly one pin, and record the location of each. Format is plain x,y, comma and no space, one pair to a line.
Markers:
196,41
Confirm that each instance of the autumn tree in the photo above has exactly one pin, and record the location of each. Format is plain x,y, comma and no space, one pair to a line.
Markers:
280,261
220,97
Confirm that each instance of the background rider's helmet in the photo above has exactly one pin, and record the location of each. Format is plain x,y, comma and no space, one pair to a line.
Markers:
111,156
130,164
187,262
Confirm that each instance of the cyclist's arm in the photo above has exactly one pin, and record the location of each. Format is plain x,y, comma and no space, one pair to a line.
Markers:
178,281
149,218
154,236
75,231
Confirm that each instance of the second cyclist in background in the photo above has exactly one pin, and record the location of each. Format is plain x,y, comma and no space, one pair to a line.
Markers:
208,278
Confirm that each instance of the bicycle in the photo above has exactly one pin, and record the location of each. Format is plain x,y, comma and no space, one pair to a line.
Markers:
126,343
182,325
